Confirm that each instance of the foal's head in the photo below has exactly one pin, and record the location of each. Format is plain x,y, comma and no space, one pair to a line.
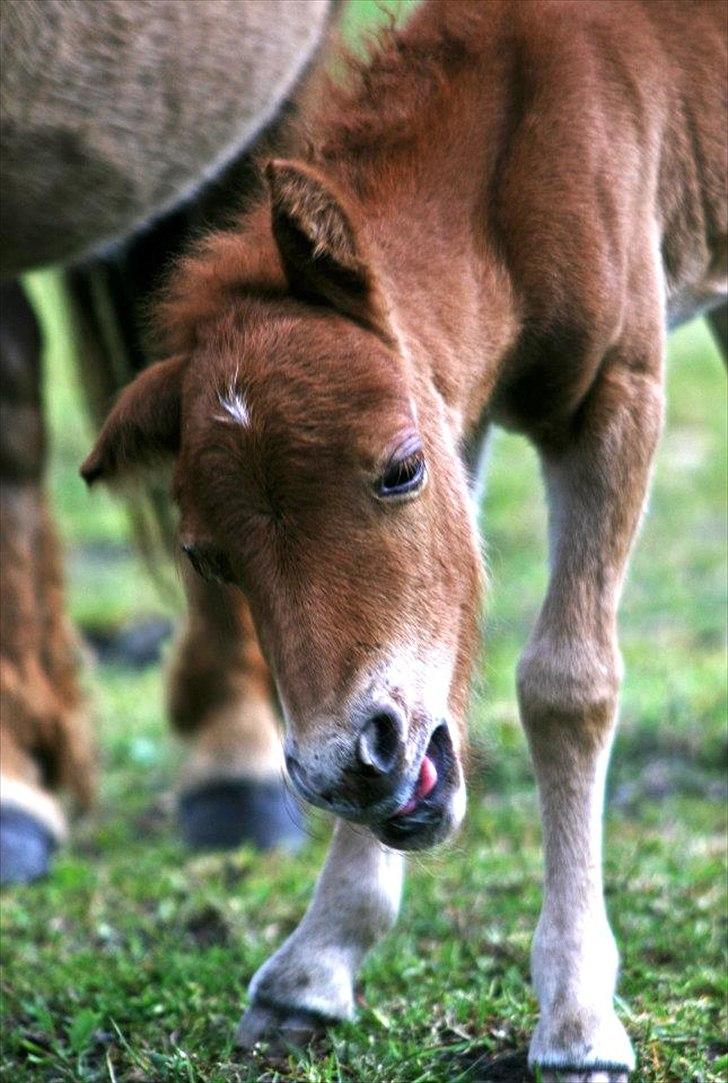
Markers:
316,473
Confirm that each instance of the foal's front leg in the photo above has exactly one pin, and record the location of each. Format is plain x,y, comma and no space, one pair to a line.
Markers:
568,689
309,981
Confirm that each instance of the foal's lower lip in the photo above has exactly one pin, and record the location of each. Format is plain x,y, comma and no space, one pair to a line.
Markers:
426,782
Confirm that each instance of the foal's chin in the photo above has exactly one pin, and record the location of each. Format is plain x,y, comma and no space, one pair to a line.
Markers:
436,809
427,825
436,817
419,807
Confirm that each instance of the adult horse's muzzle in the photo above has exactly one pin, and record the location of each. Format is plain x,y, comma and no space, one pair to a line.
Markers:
409,808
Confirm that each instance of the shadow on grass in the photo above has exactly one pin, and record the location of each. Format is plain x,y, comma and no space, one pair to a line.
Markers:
480,1066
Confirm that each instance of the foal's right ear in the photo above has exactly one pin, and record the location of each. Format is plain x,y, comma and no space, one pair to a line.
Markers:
319,245
143,426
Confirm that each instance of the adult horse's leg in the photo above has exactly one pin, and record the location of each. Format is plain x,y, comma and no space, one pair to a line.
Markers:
309,982
43,738
222,702
568,684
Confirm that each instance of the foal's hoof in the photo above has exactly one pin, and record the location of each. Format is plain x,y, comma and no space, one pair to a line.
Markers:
607,1073
281,1030
600,1050
26,847
224,814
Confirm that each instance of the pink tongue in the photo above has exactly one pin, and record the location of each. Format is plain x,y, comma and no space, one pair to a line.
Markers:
425,784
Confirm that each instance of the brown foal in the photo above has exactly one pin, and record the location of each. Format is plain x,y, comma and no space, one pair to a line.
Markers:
495,221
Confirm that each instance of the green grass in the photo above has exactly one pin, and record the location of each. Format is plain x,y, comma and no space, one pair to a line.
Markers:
131,962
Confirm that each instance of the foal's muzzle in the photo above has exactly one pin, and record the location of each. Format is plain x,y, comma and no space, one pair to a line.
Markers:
408,806
364,781
436,803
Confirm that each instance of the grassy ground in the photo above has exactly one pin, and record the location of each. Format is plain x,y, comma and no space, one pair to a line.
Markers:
131,962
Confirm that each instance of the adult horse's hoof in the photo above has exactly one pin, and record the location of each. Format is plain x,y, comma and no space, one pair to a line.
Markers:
224,814
26,847
279,1029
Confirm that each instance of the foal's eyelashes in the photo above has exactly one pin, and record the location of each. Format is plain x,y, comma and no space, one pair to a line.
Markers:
405,474
209,563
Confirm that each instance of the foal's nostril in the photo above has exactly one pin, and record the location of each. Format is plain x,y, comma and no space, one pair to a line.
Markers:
379,743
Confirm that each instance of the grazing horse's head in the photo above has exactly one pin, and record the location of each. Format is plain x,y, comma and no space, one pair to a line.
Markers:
316,472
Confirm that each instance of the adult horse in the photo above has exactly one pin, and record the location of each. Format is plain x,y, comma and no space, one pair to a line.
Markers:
495,221
125,125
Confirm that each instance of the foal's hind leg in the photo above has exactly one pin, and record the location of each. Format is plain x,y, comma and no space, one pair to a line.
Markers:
222,702
568,690
44,742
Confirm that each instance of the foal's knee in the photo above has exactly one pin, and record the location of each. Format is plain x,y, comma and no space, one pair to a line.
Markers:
569,683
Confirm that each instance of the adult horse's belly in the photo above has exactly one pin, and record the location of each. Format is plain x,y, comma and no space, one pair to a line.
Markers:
113,113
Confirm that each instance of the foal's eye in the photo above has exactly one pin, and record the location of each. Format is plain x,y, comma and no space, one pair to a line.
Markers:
403,477
210,564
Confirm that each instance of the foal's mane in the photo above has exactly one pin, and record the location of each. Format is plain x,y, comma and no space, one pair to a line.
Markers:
380,100
375,106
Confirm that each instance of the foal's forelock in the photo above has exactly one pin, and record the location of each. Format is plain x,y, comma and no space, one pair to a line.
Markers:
234,407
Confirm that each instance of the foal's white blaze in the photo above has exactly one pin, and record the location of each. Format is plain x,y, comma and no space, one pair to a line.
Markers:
235,407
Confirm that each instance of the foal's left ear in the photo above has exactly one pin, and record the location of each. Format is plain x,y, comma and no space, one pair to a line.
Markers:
143,428
321,254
